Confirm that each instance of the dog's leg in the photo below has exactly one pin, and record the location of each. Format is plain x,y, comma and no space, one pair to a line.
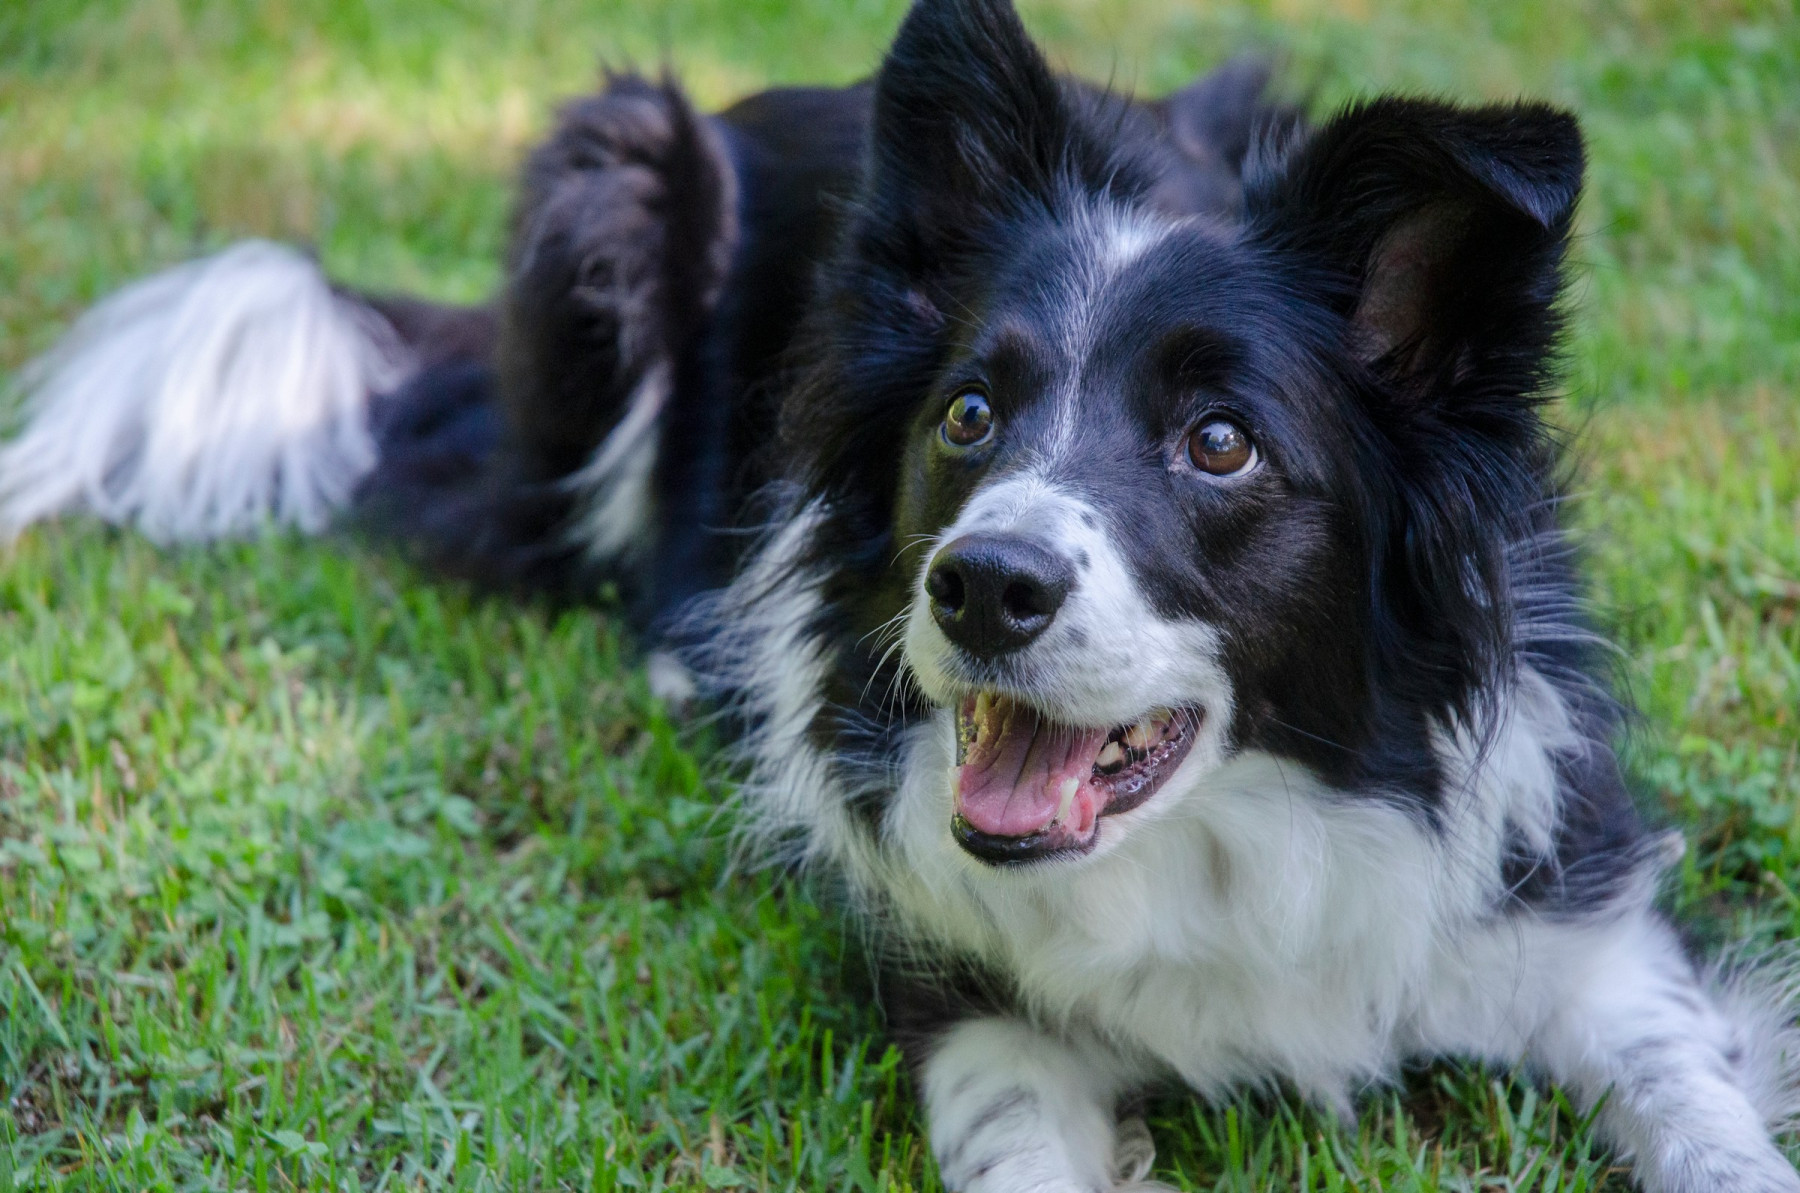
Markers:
626,222
1637,1028
1686,1075
1014,1109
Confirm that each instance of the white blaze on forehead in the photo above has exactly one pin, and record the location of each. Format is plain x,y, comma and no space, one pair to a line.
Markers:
1129,237
1108,242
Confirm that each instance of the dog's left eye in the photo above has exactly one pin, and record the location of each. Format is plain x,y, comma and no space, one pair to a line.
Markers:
1219,447
969,421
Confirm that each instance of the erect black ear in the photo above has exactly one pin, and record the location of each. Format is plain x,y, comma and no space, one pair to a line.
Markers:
1438,233
1442,230
969,119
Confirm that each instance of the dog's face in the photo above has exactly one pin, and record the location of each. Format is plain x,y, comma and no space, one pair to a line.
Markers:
1122,511
1143,489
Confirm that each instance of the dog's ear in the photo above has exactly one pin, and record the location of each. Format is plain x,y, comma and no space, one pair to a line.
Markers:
1441,233
1438,233
969,120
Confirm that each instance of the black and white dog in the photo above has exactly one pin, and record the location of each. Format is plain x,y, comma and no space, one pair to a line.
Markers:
1127,531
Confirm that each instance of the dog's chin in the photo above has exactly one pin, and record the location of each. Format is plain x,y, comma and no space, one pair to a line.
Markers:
1030,789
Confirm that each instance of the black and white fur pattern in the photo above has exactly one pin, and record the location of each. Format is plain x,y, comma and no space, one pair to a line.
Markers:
1400,831
1257,926
718,375
518,442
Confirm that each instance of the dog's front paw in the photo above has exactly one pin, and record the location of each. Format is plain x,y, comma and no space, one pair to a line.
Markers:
1706,1170
989,1183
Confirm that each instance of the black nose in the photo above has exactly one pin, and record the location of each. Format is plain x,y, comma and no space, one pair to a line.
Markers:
993,593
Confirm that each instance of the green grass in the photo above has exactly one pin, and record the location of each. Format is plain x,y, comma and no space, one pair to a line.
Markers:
316,873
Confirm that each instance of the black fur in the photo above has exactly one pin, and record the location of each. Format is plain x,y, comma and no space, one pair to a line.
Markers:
1398,355
648,236
816,268
1370,620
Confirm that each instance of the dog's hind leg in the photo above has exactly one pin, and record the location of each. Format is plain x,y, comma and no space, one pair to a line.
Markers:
531,469
622,240
535,470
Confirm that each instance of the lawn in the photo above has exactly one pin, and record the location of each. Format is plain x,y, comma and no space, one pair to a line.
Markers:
317,873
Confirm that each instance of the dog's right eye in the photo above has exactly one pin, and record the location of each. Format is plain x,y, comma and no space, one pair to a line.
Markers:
970,420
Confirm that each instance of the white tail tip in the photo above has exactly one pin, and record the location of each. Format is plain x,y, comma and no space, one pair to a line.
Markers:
213,399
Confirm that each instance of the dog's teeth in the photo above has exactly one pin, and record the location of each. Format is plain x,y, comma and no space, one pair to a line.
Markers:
1069,787
1110,756
1140,735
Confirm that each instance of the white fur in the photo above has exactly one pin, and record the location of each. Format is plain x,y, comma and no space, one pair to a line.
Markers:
1249,924
762,650
1758,994
1109,240
212,399
1012,1108
615,483
1632,1024
669,679
1106,659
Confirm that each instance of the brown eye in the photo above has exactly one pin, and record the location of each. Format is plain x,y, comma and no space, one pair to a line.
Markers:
1219,447
969,421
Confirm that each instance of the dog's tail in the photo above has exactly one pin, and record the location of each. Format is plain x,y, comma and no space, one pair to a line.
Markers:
212,399
516,444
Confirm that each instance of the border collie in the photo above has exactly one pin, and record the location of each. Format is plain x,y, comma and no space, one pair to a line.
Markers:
1127,533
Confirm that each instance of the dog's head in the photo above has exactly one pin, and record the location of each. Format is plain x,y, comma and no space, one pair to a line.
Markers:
1134,491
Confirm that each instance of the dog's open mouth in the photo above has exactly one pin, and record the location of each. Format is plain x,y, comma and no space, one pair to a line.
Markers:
1028,788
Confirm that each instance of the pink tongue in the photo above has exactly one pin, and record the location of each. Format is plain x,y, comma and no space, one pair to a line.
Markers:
1017,769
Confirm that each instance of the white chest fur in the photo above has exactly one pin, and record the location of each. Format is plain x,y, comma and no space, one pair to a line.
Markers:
1253,924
